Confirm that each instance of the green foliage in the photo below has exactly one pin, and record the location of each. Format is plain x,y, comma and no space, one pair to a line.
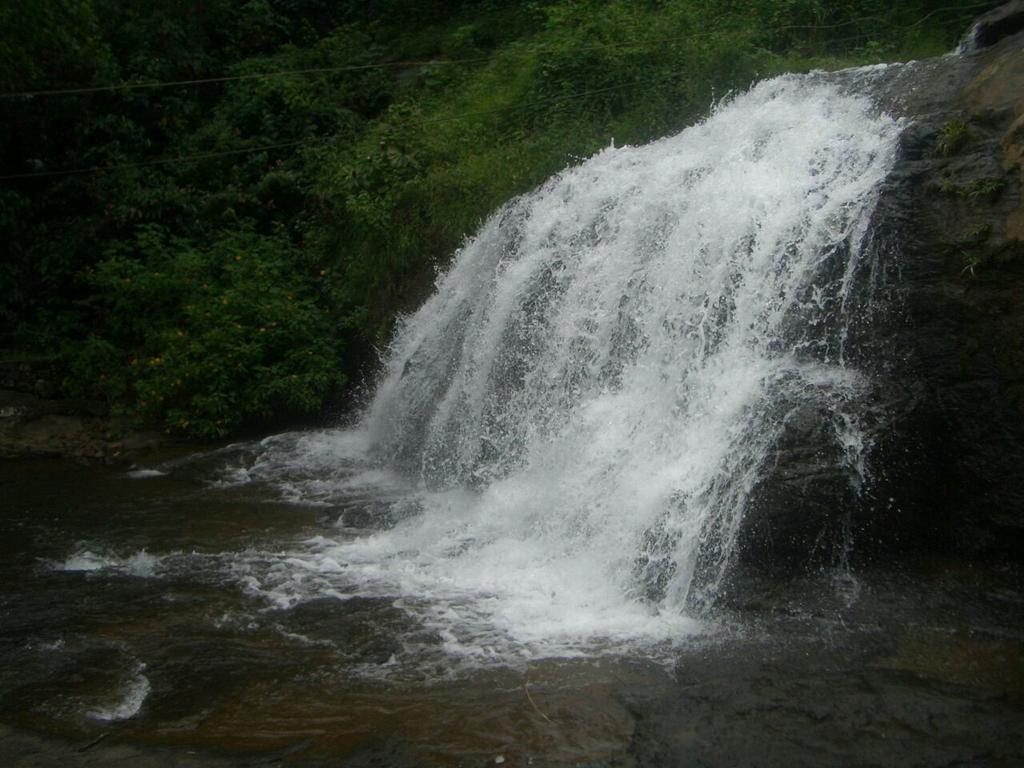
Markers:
982,254
989,186
219,337
44,40
952,137
206,293
978,232
95,367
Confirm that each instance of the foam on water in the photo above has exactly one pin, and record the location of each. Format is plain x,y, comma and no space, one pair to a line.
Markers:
129,698
144,474
140,563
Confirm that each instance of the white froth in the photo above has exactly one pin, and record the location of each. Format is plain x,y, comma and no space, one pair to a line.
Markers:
140,563
144,474
129,701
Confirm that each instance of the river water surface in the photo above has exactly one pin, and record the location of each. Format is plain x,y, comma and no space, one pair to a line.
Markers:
167,608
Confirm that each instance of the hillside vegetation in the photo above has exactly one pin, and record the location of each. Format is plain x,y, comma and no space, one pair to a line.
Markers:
218,219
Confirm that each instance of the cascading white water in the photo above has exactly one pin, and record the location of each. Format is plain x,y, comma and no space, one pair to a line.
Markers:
587,401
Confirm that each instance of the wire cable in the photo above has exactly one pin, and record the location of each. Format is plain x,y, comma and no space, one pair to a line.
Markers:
515,51
324,139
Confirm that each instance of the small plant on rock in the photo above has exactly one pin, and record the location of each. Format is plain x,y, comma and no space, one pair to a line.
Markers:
990,186
952,137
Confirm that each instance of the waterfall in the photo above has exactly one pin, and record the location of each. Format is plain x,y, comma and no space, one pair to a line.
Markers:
585,404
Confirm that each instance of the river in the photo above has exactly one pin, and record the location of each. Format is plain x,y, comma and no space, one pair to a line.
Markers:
134,609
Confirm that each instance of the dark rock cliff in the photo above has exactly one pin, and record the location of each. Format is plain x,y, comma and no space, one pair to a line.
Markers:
943,336
954,453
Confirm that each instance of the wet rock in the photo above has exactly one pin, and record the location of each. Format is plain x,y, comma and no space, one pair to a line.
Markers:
808,712
44,389
365,629
35,421
954,452
792,521
383,753
34,426
944,346
921,668
28,750
993,26
22,373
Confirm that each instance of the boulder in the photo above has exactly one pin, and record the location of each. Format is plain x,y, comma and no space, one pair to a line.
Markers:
994,26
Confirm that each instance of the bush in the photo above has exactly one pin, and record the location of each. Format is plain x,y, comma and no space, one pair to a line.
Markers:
219,336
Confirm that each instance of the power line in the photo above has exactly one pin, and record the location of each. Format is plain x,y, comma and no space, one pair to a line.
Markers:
160,161
232,78
324,139
514,51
